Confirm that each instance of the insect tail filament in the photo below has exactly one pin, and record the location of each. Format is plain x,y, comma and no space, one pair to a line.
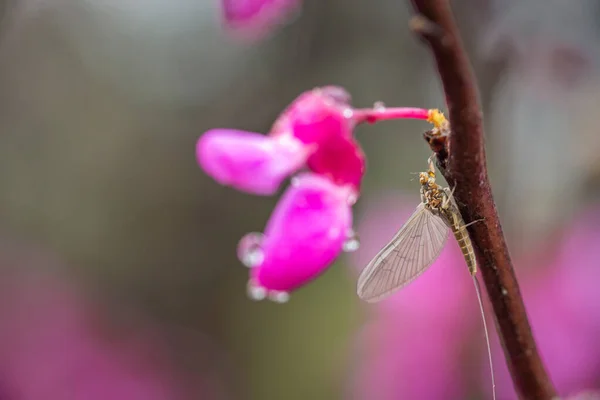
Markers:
487,336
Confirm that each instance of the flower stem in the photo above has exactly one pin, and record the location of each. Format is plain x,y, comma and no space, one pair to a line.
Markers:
381,113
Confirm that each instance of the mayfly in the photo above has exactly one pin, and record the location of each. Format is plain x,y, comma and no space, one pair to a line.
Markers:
418,244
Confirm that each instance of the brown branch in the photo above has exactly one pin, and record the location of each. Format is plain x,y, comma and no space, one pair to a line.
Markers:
461,159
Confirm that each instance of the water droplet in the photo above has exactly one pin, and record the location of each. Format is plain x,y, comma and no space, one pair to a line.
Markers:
348,113
352,199
379,106
255,292
295,181
279,296
249,250
352,242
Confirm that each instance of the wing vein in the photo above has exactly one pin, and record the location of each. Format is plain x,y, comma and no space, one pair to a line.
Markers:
412,250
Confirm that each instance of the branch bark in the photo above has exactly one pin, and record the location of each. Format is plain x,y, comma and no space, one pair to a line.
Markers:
462,161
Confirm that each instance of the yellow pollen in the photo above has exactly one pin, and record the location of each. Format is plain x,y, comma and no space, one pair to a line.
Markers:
436,117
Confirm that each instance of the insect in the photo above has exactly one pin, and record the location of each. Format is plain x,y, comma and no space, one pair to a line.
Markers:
418,244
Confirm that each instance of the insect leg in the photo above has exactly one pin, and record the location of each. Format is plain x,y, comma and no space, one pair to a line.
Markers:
472,222
448,198
464,227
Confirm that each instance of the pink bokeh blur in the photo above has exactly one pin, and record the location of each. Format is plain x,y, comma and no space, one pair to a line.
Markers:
58,343
253,20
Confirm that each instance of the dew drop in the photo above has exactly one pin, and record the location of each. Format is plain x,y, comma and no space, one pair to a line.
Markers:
379,106
352,242
352,199
279,296
348,113
249,250
255,292
295,181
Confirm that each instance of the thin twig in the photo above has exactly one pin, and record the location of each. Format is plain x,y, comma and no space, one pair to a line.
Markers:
461,159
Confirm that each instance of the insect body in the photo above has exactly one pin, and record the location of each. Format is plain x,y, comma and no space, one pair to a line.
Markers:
420,241
451,216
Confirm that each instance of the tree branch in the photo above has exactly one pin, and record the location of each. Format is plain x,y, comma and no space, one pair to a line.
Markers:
461,158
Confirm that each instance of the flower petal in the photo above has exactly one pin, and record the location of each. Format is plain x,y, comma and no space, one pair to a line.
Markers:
318,115
323,118
341,159
257,18
250,162
305,233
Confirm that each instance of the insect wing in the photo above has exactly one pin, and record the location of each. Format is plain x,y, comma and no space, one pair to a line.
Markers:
414,248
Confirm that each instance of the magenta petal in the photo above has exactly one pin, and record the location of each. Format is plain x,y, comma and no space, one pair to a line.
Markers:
323,118
305,233
341,159
250,162
257,18
318,115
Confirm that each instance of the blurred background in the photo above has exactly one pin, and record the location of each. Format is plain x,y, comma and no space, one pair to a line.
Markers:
118,273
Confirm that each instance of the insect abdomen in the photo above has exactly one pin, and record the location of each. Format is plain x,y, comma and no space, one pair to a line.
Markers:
466,246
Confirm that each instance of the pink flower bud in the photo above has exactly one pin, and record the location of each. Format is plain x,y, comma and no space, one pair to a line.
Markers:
305,234
249,162
254,19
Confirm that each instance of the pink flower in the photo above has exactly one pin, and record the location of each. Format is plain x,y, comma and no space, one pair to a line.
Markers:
312,224
255,19
315,131
313,220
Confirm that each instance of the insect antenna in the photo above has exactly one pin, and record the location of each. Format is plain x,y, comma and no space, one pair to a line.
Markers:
487,336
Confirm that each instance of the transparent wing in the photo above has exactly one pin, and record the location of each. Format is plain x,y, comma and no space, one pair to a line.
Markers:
411,251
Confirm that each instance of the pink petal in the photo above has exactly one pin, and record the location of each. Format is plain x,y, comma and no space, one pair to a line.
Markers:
305,233
255,19
341,159
323,118
250,162
318,115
